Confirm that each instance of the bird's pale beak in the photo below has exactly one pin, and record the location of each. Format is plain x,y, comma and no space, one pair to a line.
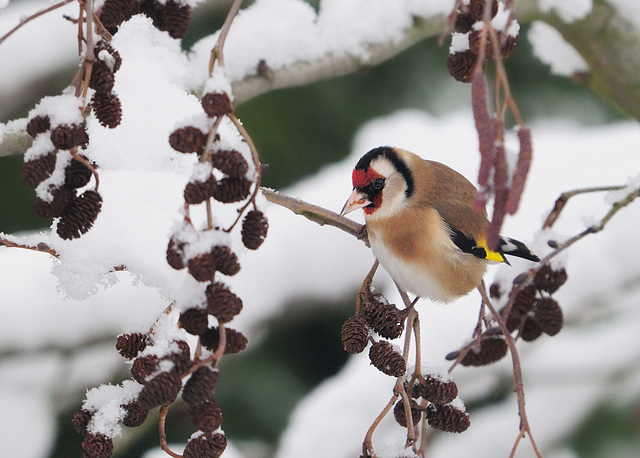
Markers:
356,200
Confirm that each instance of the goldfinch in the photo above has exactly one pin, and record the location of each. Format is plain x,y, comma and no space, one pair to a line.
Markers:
422,226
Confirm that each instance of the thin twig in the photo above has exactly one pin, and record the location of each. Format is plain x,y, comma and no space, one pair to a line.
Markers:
517,371
163,435
25,21
317,214
564,198
217,53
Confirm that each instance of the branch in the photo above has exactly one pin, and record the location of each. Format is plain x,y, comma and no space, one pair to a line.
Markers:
317,214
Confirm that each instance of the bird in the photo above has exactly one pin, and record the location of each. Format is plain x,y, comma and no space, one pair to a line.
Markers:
422,225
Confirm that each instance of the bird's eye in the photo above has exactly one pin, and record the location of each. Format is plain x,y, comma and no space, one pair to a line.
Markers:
378,183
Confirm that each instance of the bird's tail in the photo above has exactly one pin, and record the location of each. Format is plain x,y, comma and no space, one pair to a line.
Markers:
516,248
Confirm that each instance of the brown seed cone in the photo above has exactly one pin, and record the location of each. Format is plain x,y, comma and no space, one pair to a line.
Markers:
187,139
461,65
194,320
200,386
216,104
161,389
548,314
226,260
463,23
386,359
447,418
66,136
38,125
222,303
181,357
176,18
355,334
197,192
56,207
97,445
385,319
550,280
129,345
202,267
80,421
495,291
210,445
401,418
491,350
435,390
476,9
102,78
104,45
143,367
254,229
206,416
232,189
115,12
522,304
508,45
153,10
79,215
136,414
175,254
530,329
37,170
236,341
230,162
77,174
107,109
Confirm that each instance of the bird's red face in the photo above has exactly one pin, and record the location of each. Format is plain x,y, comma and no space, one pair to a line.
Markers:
367,191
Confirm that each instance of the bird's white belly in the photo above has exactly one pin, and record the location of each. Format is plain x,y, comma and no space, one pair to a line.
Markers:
409,276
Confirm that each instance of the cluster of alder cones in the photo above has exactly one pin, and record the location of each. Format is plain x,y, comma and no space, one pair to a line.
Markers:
170,16
469,25
534,312
105,103
55,148
430,394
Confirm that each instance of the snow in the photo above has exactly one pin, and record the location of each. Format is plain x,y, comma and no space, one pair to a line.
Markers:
81,296
552,49
629,9
568,10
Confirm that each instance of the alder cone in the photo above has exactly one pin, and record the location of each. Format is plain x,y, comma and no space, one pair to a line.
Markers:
206,416
196,192
79,215
143,367
37,170
230,162
216,104
254,229
447,418
200,386
236,341
175,18
129,345
385,319
102,79
222,303
461,65
476,9
202,267
38,125
491,350
188,139
153,10
355,335
232,189
549,316
435,390
194,320
401,418
115,12
107,109
136,414
68,136
97,445
161,389
175,254
226,260
77,174
57,206
530,329
209,445
550,280
386,359
80,421
463,23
